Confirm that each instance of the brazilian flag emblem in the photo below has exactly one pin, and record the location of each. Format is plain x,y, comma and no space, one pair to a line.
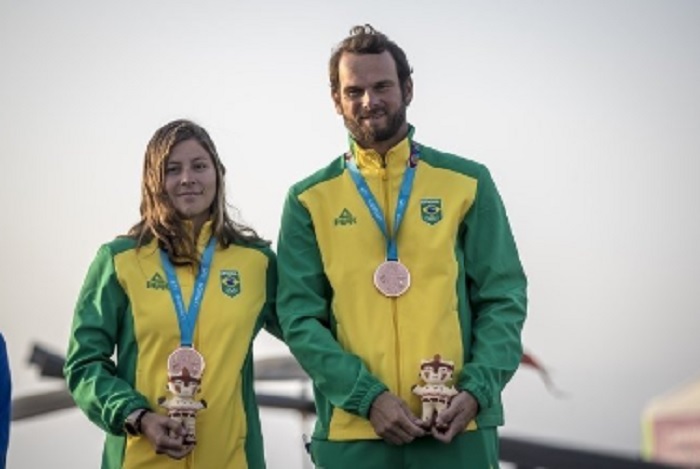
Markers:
431,210
230,282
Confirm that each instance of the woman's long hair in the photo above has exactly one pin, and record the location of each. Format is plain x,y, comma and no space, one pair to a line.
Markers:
160,220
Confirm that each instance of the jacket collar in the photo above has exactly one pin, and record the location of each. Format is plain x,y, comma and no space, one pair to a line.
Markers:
395,160
204,235
202,240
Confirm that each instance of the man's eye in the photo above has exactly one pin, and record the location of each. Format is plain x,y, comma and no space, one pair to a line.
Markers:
353,93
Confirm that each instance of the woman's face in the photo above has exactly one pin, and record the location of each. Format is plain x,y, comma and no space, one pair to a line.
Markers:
190,181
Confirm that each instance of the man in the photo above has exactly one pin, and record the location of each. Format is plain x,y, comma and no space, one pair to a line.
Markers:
5,401
391,255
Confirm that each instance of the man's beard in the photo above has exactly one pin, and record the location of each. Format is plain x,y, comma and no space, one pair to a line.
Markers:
367,135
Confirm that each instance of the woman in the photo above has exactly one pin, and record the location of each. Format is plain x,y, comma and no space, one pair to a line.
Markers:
181,298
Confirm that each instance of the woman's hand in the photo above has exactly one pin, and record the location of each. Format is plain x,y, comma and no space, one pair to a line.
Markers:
165,434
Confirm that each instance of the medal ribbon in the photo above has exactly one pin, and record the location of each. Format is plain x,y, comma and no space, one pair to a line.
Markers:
187,318
392,250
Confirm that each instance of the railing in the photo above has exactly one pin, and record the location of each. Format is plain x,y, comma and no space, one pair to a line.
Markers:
526,454
523,454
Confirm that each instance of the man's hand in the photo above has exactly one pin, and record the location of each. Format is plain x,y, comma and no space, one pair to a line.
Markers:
165,435
393,420
453,420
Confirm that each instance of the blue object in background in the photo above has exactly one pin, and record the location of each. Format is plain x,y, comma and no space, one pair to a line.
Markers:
5,393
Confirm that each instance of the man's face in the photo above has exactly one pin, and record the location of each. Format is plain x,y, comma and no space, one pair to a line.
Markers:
370,98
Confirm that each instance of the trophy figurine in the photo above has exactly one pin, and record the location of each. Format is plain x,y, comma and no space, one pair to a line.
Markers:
185,369
435,394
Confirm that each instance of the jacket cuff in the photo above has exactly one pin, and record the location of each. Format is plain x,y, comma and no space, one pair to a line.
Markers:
128,409
480,393
366,402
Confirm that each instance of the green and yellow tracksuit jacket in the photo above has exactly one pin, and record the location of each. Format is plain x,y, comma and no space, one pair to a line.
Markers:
467,301
125,303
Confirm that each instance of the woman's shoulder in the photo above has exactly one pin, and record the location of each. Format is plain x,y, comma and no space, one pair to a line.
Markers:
258,245
119,245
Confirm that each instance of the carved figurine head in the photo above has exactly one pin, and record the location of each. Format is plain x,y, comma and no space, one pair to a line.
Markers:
437,370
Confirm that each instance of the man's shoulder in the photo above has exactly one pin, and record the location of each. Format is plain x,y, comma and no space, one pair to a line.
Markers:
452,162
328,172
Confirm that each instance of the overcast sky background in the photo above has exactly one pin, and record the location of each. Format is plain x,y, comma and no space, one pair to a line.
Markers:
586,112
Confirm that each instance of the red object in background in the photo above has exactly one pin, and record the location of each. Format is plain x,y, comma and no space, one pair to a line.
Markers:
530,361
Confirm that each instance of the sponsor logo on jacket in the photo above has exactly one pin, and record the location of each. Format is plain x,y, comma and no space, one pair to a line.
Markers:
157,282
345,218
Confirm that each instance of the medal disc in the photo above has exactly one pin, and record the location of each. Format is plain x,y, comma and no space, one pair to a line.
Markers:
186,361
392,278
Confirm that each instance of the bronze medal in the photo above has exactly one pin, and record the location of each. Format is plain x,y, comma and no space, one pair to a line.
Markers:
392,278
186,360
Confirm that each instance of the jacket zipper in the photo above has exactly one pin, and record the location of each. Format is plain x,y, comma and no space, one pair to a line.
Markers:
394,306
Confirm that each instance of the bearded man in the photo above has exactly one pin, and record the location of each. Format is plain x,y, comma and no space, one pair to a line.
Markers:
392,254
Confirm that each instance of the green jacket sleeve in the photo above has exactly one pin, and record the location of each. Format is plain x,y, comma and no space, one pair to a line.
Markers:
90,373
269,314
496,288
304,299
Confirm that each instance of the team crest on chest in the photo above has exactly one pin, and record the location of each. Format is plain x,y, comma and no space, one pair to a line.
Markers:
431,210
230,282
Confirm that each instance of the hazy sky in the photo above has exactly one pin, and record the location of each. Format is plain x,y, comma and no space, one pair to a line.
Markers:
586,112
